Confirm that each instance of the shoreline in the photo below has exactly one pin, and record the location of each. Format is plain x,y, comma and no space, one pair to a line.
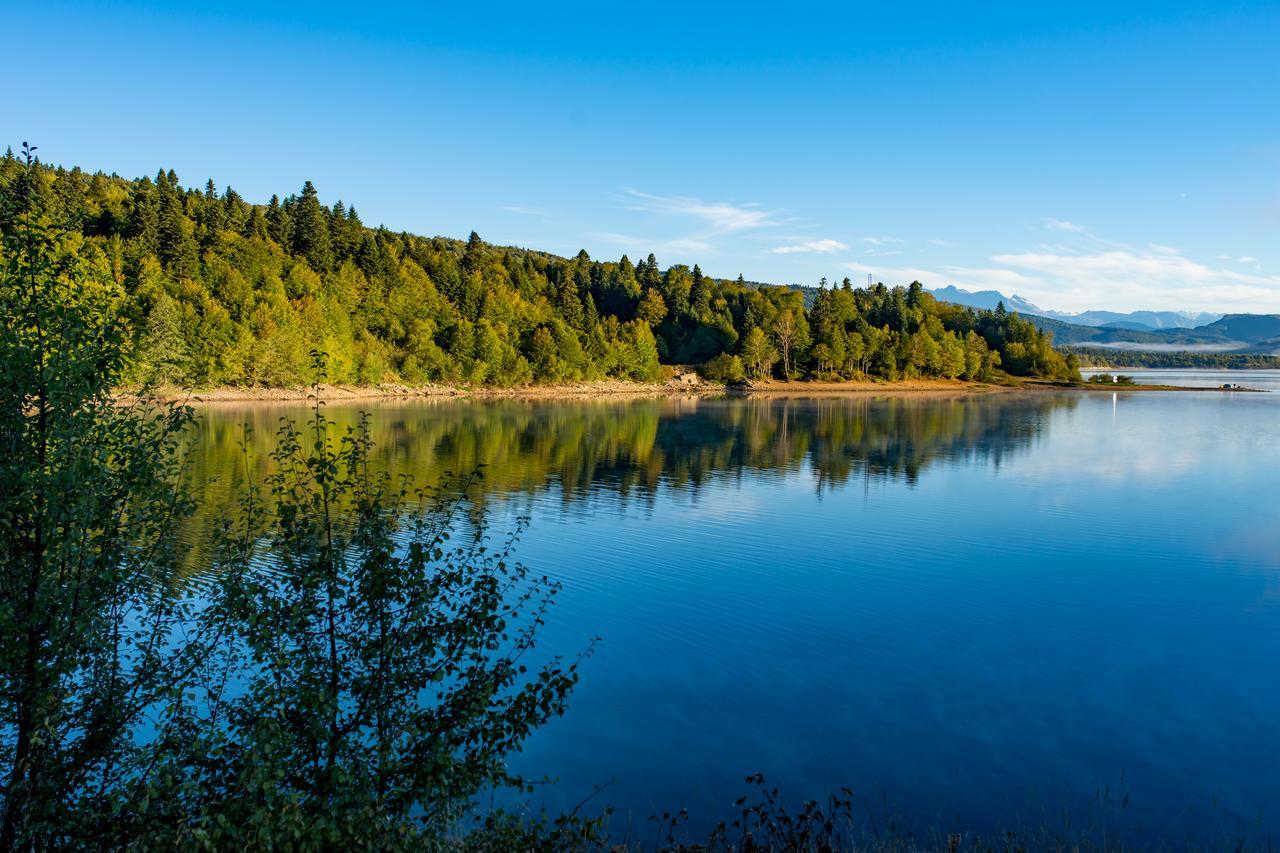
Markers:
616,389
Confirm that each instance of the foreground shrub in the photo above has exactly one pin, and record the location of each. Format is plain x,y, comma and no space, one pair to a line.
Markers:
92,634
376,674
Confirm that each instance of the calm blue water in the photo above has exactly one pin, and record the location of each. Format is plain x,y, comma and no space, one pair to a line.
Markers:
975,611
1262,379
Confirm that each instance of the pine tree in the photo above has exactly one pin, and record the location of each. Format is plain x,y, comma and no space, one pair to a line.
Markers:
311,230
256,224
699,295
144,220
175,240
648,273
279,222
473,254
212,219
235,213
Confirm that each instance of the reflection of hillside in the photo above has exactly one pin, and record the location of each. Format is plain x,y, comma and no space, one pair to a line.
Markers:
904,436
841,438
628,449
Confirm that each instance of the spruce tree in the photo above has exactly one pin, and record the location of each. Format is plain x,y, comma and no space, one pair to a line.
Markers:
699,295
311,230
175,243
144,220
473,253
279,222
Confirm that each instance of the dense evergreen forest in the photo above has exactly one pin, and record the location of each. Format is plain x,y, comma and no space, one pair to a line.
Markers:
219,291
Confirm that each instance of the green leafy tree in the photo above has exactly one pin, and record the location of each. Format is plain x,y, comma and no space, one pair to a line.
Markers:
90,646
652,308
758,355
381,650
791,332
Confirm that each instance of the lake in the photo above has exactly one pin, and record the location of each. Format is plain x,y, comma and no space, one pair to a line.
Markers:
977,611
1260,379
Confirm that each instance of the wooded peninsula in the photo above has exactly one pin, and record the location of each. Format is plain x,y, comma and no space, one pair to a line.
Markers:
220,292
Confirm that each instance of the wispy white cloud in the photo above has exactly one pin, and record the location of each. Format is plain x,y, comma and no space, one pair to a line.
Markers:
1118,279
970,278
526,211
1063,225
1071,269
1083,270
823,247
1126,279
722,216
683,248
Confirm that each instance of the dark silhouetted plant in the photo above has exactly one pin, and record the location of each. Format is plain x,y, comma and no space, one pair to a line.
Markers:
378,677
92,639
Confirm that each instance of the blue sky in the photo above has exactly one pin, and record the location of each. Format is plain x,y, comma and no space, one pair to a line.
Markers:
1084,155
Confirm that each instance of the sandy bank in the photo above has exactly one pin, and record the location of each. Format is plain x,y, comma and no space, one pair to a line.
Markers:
620,389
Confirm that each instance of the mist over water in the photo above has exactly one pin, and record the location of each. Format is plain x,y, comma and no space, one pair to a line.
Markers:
974,610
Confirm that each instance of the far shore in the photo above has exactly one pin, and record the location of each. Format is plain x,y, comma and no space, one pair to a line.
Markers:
615,389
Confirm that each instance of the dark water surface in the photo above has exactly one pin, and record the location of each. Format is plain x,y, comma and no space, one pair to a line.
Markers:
974,611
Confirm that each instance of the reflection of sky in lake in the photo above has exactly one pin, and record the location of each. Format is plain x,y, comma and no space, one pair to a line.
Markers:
981,609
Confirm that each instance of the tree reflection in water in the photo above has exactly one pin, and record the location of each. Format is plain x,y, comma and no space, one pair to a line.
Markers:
627,449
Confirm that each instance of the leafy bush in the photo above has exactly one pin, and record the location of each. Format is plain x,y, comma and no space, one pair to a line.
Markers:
724,368
375,676
92,623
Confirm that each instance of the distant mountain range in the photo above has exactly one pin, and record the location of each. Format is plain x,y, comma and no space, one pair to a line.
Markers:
1154,331
1234,333
1142,321
986,299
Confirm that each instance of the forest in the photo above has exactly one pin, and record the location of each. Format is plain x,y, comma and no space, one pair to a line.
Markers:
1106,357
219,291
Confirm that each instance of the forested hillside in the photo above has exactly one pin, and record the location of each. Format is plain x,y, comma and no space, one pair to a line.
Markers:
220,291
1243,334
